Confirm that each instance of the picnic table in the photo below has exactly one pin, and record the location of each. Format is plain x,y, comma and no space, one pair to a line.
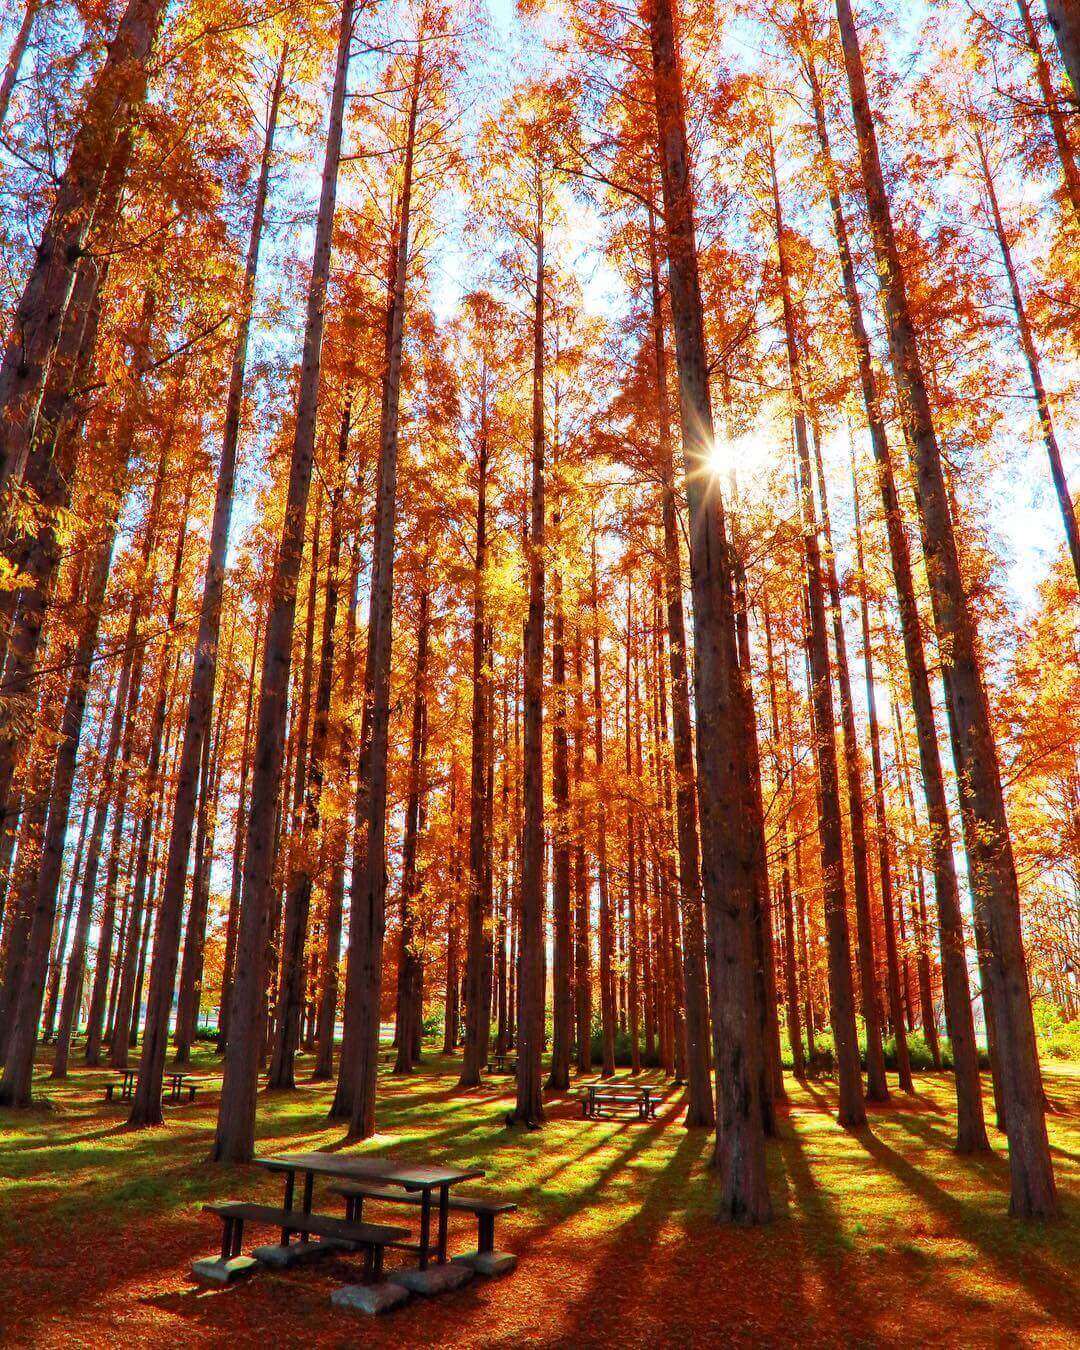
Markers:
179,1082
416,1178
505,1061
125,1082
599,1100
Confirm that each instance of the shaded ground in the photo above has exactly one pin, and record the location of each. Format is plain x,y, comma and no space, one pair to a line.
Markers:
884,1236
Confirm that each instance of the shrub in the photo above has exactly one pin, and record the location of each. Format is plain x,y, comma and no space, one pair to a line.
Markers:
1058,1039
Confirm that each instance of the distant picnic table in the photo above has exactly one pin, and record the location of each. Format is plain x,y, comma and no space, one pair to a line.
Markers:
174,1084
600,1100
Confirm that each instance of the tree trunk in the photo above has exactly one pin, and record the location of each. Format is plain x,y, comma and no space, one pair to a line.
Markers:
896,1007
727,862
145,867
115,97
328,993
1065,21
15,58
791,982
970,1127
409,1009
1069,171
301,879
367,923
478,940
146,1107
607,943
852,1111
699,1110
562,951
989,847
529,1107
1031,356
876,1087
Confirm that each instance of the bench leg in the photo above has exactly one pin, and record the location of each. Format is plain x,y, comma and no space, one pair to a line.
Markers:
485,1236
376,1263
226,1239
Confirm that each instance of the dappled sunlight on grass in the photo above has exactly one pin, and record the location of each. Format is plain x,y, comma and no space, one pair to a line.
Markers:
882,1234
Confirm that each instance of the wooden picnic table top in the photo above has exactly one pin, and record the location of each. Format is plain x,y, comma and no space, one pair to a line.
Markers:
411,1176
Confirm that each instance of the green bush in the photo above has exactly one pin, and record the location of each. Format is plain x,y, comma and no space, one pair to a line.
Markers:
622,1051
1057,1038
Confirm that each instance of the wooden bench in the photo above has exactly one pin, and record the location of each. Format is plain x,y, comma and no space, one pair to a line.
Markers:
597,1103
486,1210
373,1238
505,1063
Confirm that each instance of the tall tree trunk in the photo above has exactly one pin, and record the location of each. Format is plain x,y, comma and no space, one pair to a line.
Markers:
302,872
15,58
970,1127
791,982
146,1106
337,840
127,1004
1069,171
852,1111
408,1028
561,926
367,923
986,830
876,1086
529,1107
700,1109
896,1007
607,941
1065,21
1031,356
582,926
115,98
478,938
67,751
726,849
630,953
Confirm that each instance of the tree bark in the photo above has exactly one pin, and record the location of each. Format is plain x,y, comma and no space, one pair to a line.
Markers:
1031,356
876,1086
1069,171
607,941
562,944
970,1127
529,1107
699,1104
367,923
852,1110
115,97
409,1002
15,58
146,1107
1065,21
727,861
302,872
478,934
986,830
896,1007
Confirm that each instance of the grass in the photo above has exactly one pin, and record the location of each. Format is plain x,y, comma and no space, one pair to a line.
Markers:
880,1236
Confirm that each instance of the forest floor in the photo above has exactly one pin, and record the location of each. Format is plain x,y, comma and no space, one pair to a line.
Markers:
884,1236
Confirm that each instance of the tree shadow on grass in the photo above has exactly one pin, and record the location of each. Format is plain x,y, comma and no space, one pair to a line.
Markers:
1005,1242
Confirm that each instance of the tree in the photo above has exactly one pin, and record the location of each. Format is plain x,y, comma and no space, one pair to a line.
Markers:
727,869
986,829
